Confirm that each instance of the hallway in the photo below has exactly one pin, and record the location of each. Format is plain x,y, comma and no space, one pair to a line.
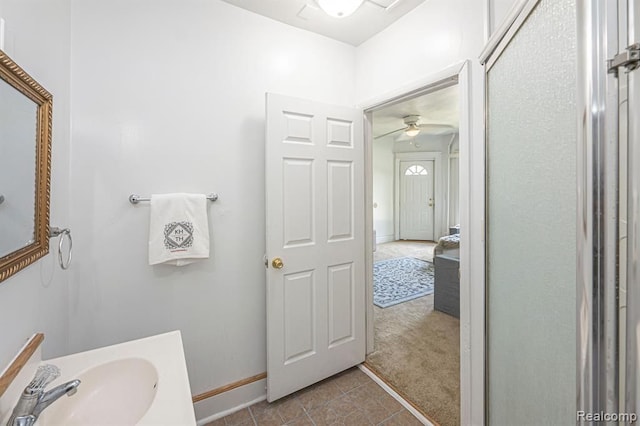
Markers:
417,349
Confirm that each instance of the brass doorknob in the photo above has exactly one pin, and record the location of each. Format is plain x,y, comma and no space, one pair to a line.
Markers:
277,263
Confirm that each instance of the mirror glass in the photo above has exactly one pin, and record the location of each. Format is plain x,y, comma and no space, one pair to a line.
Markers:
18,127
25,168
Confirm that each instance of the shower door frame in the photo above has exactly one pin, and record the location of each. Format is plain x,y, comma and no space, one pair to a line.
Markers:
597,367
597,240
632,369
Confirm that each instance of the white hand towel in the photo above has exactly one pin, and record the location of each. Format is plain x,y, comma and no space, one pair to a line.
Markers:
178,229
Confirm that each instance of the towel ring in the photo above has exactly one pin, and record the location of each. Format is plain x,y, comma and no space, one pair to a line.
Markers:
61,233
64,265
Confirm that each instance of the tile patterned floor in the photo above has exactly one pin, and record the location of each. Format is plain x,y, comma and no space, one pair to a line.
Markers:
350,398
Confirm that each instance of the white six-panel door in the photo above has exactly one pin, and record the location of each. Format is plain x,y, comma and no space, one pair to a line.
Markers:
416,200
315,235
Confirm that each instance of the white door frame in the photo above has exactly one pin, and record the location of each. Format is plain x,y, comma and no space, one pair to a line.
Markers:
472,309
436,157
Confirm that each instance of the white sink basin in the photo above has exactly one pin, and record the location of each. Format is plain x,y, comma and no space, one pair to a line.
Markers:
142,382
115,393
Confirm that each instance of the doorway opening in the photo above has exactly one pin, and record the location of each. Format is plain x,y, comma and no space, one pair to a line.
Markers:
414,341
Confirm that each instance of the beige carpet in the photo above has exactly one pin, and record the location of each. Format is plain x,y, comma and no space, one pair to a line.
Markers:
418,249
418,350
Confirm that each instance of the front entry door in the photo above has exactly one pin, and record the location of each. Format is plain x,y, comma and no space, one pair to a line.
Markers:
416,200
315,242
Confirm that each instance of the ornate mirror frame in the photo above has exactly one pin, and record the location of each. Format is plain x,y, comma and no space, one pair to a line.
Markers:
16,77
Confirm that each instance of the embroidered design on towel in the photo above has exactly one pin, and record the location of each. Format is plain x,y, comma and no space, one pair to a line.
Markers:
178,236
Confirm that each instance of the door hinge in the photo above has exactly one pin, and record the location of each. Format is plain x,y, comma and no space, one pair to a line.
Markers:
630,59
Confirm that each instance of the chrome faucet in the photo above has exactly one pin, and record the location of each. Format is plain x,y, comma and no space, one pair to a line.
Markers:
34,399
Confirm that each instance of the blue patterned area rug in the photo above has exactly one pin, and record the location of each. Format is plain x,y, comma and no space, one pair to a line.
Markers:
400,280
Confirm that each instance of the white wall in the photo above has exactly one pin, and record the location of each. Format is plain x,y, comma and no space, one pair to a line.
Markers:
35,299
383,184
424,143
498,11
169,96
434,36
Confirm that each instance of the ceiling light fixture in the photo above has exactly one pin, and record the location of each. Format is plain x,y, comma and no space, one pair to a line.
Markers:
339,8
412,130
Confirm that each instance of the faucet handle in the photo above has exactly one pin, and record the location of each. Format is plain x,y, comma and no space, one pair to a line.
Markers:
44,375
27,420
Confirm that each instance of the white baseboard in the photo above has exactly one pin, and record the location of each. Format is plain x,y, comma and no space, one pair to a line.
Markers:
397,397
229,402
385,239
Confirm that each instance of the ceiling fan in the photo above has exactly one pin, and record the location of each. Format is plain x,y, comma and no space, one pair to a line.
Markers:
413,127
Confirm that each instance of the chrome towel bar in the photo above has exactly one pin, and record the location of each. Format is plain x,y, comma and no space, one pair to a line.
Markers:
135,199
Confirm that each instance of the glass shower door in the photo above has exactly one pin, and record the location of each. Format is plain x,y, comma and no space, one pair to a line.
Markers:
531,219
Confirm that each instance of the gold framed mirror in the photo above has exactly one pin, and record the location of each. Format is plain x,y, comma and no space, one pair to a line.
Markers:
25,168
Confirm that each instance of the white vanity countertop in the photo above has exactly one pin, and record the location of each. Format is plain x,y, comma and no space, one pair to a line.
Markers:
172,404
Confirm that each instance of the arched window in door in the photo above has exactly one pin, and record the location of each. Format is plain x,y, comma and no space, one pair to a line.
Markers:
415,171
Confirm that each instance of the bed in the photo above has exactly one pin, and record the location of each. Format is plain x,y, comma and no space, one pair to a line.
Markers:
449,245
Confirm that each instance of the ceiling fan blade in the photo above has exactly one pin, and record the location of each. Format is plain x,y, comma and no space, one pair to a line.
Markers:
389,133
